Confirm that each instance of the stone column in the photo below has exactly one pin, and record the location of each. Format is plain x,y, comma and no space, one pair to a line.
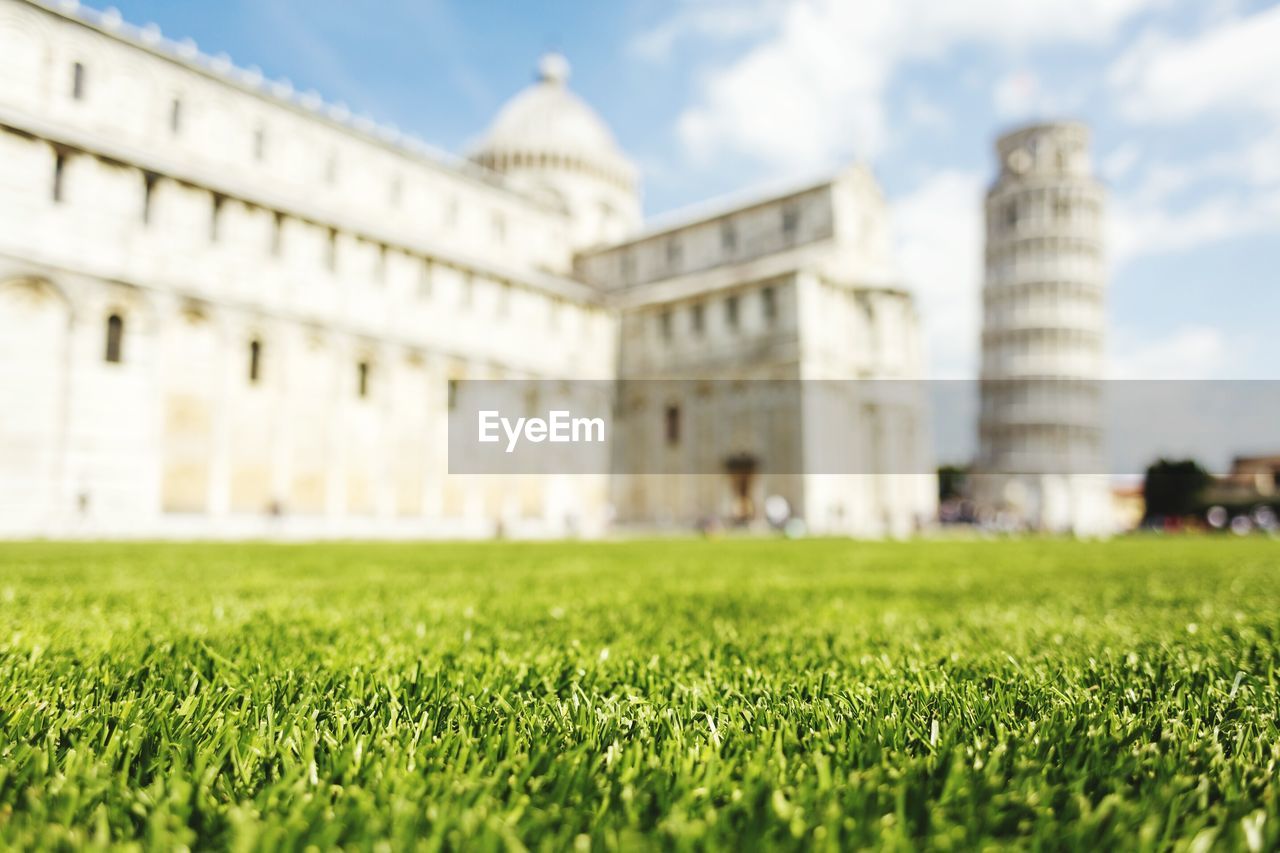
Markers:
228,361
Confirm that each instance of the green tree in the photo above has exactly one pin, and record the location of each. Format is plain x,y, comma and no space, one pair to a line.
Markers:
1174,487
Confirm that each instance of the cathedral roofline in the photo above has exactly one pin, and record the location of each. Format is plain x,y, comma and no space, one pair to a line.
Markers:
252,193
730,203
251,81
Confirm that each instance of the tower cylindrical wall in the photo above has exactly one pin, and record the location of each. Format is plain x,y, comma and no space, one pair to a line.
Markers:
1044,320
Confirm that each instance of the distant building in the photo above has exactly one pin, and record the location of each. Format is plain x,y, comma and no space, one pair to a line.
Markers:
227,309
1127,505
1258,475
797,291
1251,480
1042,458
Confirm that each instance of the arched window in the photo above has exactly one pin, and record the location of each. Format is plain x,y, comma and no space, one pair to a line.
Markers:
331,250
731,312
255,361
148,195
59,176
728,237
277,235
425,273
362,379
664,325
115,339
215,216
769,303
790,221
671,418
77,81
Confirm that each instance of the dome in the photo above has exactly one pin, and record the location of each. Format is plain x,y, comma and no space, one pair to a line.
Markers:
548,126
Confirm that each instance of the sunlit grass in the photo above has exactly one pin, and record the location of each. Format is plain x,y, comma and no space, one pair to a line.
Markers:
690,693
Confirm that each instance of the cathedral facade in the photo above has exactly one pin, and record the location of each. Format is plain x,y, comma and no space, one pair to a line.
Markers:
230,309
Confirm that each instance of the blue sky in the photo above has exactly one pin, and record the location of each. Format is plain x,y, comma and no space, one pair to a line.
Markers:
712,96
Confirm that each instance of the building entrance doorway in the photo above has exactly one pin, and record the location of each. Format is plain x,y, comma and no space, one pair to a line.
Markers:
741,468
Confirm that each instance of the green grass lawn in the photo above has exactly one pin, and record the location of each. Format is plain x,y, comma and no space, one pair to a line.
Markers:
682,694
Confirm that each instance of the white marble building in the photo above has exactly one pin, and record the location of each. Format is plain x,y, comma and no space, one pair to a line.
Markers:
1042,459
230,309
795,286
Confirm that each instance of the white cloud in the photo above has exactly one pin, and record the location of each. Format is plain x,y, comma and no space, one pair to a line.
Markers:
1021,95
1231,68
938,228
801,98
1149,228
1119,163
1257,163
812,92
721,21
1233,193
1191,352
926,114
1017,93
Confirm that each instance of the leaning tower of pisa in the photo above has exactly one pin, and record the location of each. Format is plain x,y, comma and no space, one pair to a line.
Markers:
1042,460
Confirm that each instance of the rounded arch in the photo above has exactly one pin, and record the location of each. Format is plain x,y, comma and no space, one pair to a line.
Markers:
129,301
34,289
121,321
195,312
115,338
